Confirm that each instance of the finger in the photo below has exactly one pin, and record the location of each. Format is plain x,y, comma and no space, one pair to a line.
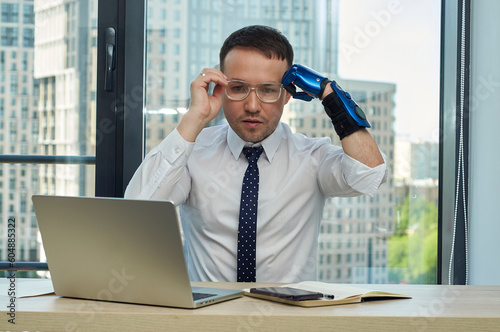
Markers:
218,91
212,75
212,71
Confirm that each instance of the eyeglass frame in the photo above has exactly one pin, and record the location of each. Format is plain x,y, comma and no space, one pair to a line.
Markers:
255,87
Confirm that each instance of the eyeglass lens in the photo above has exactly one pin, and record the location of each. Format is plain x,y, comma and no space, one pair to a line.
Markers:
267,92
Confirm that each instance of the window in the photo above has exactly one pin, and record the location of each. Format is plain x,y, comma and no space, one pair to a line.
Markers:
28,14
49,112
28,37
10,12
9,36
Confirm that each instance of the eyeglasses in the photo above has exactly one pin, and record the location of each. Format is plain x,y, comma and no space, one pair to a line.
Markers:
268,92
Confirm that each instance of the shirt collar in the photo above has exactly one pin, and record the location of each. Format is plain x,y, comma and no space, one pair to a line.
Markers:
270,144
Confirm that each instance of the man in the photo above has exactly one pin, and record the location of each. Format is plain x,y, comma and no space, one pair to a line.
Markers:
201,169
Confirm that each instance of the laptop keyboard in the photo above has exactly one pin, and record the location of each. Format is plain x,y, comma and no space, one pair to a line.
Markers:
198,296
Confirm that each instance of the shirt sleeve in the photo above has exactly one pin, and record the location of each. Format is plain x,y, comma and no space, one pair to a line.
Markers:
363,179
163,174
343,176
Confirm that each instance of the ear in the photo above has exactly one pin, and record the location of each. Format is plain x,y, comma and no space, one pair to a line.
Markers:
287,97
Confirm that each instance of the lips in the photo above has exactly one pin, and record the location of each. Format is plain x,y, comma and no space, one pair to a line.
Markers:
252,122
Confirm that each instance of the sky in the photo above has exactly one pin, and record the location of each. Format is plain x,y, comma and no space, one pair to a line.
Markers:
396,41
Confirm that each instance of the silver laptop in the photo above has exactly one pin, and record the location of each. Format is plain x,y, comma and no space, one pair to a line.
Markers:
119,250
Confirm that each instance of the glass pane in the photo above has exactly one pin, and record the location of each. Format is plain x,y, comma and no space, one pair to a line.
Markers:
47,108
395,46
386,54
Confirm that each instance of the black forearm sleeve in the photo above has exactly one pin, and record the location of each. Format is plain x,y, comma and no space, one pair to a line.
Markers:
343,123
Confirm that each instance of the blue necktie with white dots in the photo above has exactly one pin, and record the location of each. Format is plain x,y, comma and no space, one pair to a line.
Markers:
247,230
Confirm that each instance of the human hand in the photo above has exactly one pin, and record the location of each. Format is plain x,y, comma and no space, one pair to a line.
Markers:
203,107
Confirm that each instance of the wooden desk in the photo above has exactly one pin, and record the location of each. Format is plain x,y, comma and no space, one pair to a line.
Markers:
433,308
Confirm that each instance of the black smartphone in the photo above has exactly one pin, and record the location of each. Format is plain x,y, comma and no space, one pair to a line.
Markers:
287,293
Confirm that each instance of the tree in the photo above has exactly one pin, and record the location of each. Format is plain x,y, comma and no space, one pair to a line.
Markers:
413,247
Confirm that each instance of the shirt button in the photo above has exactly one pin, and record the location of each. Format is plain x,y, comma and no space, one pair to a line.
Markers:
177,150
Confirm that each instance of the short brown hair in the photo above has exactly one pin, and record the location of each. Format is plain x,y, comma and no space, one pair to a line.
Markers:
270,41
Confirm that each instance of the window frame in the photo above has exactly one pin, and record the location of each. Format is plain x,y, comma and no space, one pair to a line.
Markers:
120,111
455,64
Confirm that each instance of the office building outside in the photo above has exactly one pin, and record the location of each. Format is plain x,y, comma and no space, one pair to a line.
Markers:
19,127
416,171
353,244
65,67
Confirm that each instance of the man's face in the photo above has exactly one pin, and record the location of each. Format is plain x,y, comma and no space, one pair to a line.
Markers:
252,119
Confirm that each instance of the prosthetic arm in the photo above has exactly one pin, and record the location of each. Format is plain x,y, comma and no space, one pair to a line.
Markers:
346,115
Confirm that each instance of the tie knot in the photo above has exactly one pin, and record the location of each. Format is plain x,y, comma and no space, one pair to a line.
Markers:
253,154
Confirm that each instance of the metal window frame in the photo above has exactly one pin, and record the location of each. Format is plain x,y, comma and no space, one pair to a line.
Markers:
454,107
120,111
45,159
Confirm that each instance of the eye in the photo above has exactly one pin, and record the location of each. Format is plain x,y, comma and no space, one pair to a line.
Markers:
270,88
237,87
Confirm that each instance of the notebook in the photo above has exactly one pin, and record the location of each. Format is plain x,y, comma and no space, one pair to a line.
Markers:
119,250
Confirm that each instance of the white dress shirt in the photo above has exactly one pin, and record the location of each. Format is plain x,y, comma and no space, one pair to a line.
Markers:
204,179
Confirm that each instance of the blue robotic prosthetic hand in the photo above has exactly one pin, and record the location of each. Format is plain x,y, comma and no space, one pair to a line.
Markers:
347,117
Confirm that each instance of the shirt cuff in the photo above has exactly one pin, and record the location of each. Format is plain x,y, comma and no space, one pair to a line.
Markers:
175,149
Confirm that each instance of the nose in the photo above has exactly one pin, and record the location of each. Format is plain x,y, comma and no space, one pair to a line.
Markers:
252,102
